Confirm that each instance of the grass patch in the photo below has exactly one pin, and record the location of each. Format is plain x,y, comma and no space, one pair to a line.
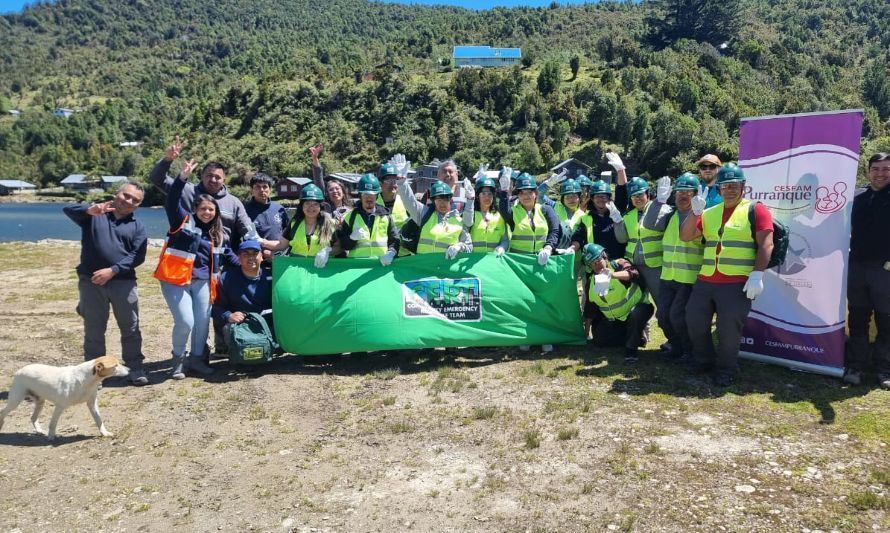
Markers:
484,413
532,439
386,374
400,427
869,426
256,412
567,433
866,500
450,380
389,400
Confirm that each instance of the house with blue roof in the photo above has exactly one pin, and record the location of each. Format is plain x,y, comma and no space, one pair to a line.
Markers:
485,56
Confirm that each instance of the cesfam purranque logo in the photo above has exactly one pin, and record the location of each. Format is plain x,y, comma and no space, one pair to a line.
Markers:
448,299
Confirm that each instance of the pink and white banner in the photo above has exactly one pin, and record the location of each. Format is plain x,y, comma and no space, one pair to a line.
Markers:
803,167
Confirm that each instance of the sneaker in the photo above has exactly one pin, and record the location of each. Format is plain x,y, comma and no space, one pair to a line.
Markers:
724,380
177,371
138,378
666,348
852,377
630,356
525,347
196,363
546,348
884,381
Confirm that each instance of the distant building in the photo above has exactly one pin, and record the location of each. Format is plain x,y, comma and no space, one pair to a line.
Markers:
15,112
63,112
8,187
83,182
129,144
575,167
291,187
485,56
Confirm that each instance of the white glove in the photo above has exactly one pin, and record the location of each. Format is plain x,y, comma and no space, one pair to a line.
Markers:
565,251
504,179
403,166
481,172
699,202
663,189
601,283
557,178
615,160
614,213
499,251
359,234
469,191
452,251
321,258
386,259
754,286
544,255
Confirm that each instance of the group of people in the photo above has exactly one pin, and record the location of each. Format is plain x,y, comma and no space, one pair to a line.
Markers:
695,249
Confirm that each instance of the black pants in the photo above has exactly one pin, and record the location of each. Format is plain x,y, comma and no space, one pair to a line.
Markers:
868,293
671,315
731,305
627,333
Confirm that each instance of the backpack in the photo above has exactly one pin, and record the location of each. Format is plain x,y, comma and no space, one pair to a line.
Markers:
410,232
780,239
251,341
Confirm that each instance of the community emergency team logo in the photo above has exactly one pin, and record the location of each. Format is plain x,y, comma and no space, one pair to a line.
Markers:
449,299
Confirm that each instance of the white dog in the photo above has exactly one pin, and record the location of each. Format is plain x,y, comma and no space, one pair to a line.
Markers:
63,386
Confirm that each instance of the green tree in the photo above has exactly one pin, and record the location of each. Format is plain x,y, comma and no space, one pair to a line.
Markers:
575,65
876,88
549,78
710,21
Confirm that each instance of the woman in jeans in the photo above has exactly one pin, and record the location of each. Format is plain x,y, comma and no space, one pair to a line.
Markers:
188,268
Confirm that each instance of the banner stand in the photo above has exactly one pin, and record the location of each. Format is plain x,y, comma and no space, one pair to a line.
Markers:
794,365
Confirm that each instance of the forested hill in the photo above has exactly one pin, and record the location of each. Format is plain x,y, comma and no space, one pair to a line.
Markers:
254,82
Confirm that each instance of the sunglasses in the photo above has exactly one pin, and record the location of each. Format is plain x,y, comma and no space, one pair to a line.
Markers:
707,167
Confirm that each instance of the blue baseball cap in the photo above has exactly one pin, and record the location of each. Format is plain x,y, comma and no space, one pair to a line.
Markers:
249,244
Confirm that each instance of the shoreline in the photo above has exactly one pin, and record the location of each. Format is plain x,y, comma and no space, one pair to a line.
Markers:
152,243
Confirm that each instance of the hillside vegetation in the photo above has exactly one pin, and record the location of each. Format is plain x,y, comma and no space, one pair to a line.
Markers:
254,83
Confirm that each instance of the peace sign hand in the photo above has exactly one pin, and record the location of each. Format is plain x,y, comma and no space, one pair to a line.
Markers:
187,169
174,150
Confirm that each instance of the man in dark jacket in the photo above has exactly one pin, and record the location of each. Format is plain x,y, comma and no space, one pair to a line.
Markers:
113,244
244,290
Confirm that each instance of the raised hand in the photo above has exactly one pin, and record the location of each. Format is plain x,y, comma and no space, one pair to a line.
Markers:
174,150
663,189
504,178
614,213
481,172
187,168
555,179
101,209
615,160
314,152
699,201
469,191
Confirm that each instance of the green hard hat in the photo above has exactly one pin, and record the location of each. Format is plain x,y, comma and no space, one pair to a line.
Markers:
728,173
601,187
569,186
636,186
515,174
687,182
369,184
440,188
592,252
525,181
486,182
311,192
387,169
584,181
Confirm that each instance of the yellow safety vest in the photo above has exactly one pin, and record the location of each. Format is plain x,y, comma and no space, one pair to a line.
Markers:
376,243
637,235
738,249
298,244
398,213
563,213
487,234
681,260
437,236
619,301
525,239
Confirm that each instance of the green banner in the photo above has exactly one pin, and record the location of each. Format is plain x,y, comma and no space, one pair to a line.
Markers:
424,301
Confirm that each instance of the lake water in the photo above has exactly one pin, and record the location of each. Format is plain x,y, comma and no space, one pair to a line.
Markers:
33,222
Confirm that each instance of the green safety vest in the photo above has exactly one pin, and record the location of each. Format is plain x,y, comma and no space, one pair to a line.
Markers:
525,239
738,249
487,234
637,235
437,236
563,215
298,244
619,301
376,243
681,260
398,213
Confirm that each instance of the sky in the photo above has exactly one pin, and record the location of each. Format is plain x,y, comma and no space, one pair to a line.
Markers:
10,6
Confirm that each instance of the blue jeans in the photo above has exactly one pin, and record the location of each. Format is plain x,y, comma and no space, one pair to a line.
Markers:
190,305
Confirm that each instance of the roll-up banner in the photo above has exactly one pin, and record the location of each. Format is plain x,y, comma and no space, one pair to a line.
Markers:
803,167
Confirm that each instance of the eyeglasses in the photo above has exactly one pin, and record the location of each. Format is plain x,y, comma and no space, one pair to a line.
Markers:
707,167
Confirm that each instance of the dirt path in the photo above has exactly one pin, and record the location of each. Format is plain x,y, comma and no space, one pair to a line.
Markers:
487,440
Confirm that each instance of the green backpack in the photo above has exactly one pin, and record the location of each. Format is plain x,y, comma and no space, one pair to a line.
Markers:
251,341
